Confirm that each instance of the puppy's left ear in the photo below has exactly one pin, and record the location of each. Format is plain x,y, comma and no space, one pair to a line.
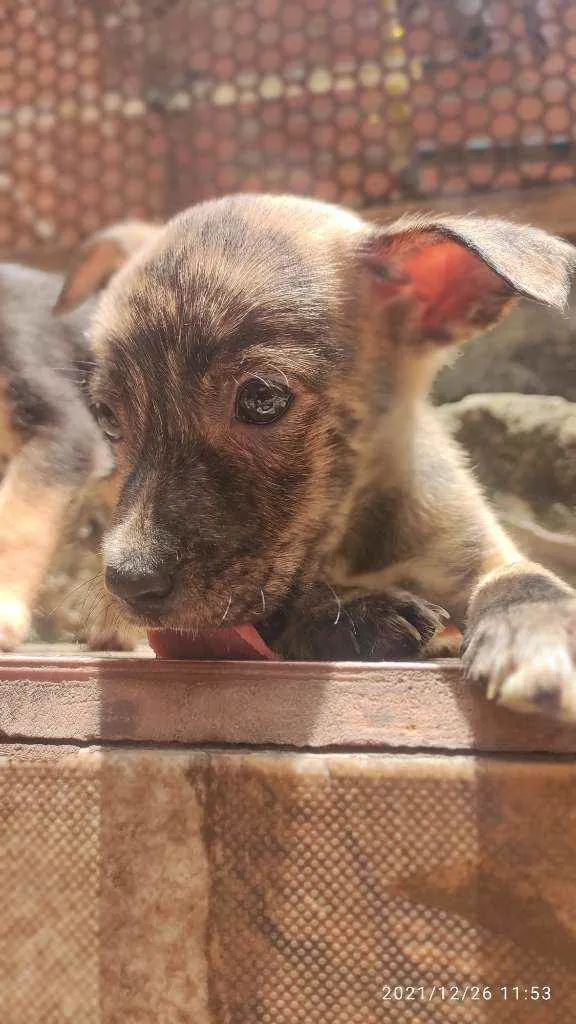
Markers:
101,255
456,275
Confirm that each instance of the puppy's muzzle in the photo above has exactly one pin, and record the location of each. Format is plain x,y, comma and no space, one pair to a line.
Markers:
146,588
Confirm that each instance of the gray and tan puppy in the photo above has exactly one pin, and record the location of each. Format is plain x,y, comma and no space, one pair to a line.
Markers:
47,433
263,370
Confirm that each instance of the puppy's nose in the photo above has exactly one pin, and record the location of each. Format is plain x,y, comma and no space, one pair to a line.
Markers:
142,588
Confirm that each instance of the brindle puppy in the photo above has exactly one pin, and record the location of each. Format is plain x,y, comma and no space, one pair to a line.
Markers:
263,367
47,433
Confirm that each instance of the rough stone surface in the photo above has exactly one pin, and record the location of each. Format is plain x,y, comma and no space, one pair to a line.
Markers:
532,351
510,399
523,448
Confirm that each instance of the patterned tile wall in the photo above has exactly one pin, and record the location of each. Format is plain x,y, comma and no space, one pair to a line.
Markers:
113,108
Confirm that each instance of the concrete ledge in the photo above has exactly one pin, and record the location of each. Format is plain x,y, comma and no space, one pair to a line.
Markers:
270,887
79,698
431,848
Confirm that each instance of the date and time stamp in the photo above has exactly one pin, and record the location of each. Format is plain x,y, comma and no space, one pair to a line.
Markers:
515,992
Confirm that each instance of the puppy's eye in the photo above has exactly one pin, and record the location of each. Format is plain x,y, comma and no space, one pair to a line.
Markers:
107,421
260,403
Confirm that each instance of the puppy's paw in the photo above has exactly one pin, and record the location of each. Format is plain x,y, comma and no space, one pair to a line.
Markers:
405,626
387,627
15,620
526,655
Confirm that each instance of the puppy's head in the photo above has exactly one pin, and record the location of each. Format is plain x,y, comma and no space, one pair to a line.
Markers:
248,357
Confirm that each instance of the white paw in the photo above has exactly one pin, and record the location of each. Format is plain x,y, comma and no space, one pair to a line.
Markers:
526,655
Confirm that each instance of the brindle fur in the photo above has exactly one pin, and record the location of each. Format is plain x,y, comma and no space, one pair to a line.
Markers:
357,495
47,432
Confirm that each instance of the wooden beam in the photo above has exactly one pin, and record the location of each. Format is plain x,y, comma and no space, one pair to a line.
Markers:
74,698
548,206
552,207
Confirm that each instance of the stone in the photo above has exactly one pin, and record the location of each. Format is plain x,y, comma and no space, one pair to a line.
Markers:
523,450
532,351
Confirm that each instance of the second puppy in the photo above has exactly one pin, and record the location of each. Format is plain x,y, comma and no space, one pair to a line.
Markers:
48,435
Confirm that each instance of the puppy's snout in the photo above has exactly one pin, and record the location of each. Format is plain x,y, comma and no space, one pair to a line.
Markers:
145,588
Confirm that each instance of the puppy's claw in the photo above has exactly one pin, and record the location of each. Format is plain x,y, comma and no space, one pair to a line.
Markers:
492,691
493,688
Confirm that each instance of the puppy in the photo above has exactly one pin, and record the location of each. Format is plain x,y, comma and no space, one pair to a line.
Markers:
52,443
263,365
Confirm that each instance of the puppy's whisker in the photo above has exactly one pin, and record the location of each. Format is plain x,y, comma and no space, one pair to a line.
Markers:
91,595
99,598
94,613
338,602
352,623
74,590
227,609
263,600
71,369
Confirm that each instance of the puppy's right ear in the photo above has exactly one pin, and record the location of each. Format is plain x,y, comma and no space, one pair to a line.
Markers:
100,256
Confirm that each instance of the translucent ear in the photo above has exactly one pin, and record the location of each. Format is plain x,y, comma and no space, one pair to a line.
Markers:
461,272
99,258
